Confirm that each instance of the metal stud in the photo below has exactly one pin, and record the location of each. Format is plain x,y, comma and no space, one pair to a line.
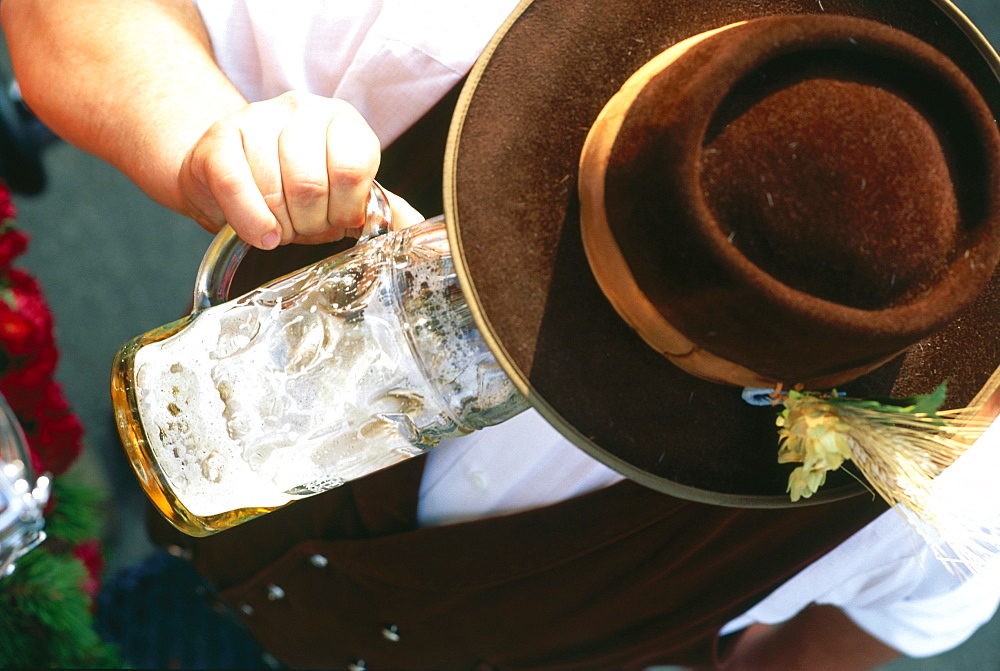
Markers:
319,561
357,665
391,633
274,592
246,609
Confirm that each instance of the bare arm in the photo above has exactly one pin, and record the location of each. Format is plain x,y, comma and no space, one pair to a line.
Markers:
819,638
134,83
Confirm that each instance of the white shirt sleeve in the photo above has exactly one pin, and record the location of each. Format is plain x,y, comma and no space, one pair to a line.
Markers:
519,465
886,579
391,59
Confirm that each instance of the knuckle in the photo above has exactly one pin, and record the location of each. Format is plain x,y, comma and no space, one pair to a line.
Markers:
304,190
222,131
343,218
290,98
339,106
294,100
222,180
350,177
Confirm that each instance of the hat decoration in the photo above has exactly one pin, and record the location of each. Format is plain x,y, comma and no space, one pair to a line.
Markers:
900,446
892,440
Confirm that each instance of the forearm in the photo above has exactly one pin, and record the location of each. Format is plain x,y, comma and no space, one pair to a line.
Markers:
130,81
819,638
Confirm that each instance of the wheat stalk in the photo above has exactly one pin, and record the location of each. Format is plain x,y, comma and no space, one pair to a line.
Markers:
900,447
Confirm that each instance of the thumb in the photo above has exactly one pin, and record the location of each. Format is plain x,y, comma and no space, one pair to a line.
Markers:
403,214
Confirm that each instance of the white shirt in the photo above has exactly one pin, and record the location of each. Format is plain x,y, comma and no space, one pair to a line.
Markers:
393,59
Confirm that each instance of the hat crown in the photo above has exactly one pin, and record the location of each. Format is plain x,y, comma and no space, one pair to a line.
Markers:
793,199
832,183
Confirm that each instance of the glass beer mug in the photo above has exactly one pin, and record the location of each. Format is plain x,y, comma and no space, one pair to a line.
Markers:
319,377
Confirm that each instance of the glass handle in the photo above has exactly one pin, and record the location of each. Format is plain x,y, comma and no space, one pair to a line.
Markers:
223,256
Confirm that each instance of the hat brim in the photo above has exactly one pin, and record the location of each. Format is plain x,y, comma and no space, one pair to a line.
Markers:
512,212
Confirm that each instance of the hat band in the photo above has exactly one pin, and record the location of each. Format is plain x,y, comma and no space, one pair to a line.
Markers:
623,292
605,256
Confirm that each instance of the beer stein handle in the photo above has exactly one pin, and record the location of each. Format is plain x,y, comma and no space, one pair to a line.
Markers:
223,256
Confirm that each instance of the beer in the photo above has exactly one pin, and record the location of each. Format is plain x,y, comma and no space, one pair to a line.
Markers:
346,367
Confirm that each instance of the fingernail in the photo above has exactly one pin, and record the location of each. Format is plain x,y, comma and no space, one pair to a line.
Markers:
270,240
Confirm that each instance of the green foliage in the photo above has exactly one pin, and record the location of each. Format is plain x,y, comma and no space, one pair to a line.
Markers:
7,296
920,404
45,619
75,516
45,614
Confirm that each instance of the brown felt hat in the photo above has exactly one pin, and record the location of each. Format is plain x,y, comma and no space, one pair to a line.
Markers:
654,204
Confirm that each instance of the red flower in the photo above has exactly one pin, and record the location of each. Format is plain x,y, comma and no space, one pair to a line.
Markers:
28,357
25,320
29,299
54,433
24,382
13,243
7,209
89,553
17,334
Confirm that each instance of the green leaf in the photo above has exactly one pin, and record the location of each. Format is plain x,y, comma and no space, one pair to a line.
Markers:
926,404
75,517
7,296
45,618
929,404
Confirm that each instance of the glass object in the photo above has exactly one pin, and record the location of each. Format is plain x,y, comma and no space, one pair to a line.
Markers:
22,496
325,375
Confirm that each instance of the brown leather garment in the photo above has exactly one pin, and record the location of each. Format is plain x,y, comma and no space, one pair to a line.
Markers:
621,578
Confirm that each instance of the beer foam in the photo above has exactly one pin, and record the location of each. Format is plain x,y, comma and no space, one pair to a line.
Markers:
324,376
298,388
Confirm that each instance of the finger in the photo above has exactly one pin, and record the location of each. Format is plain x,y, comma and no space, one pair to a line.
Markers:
352,159
331,234
403,214
259,135
304,178
192,180
232,183
199,202
217,187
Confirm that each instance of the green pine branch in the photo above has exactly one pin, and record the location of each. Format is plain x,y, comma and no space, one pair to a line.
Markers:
45,616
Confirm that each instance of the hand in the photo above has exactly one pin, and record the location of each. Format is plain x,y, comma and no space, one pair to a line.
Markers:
296,168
